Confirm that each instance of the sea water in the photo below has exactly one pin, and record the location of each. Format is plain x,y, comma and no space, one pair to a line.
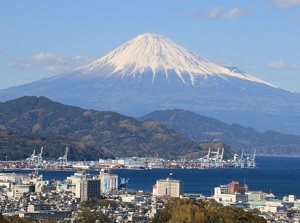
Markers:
279,175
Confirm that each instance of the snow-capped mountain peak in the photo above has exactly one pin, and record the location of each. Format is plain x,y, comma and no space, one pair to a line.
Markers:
156,53
150,73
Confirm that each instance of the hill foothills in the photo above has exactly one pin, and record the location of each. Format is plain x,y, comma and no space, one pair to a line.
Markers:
28,123
108,133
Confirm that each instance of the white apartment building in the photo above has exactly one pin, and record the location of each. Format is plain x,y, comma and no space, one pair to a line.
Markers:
109,182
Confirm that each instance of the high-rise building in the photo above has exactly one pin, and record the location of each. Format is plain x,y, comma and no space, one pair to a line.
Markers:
109,182
89,189
168,187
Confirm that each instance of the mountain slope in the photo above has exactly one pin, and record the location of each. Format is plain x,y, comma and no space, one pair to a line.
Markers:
152,73
16,146
158,54
111,133
200,128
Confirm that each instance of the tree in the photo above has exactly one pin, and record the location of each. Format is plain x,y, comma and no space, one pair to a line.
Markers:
88,216
191,211
2,219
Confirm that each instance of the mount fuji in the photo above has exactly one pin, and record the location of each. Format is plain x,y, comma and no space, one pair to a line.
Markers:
150,72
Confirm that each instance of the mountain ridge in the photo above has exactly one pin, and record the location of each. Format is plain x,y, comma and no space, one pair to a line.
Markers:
226,98
200,128
110,133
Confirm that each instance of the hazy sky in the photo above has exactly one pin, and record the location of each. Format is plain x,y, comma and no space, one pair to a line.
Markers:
45,38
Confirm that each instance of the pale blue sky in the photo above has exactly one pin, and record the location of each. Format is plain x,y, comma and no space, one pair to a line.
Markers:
45,38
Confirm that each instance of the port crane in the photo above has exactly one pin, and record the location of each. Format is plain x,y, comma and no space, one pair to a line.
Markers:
213,159
34,159
40,157
64,159
31,159
239,161
204,161
251,160
244,162
216,161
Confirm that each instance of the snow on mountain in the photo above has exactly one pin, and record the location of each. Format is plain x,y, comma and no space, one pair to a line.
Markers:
150,73
156,53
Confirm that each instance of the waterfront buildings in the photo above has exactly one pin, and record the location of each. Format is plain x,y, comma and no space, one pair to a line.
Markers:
128,163
87,186
60,203
213,159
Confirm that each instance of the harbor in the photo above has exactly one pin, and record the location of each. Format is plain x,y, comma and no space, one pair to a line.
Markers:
59,188
213,160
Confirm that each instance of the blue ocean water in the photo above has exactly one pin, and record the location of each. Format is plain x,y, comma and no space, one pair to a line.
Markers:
280,175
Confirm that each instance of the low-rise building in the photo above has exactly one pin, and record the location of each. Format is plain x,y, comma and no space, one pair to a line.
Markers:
19,190
39,207
231,193
255,195
53,215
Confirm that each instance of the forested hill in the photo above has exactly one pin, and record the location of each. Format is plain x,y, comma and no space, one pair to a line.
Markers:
108,133
200,128
16,146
